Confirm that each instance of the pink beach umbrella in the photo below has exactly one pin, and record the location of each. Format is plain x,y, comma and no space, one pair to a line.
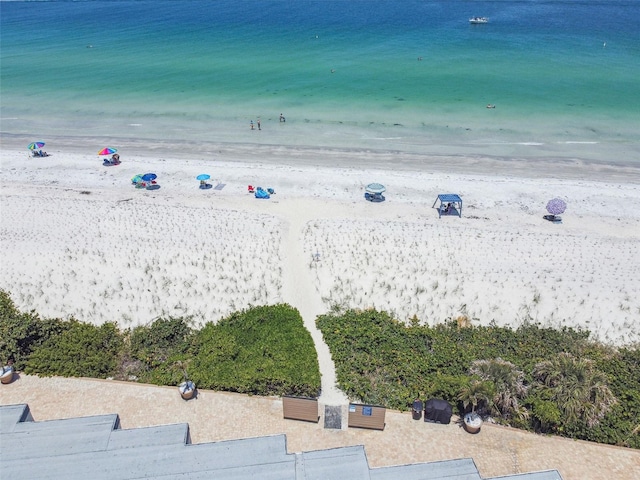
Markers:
107,151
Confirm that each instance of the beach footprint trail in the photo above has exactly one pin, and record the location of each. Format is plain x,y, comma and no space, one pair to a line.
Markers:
298,291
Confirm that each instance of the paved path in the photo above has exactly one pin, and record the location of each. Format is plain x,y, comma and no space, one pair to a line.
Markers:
215,416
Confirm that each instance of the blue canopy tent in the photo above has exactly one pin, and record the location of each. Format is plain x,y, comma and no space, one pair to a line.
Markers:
450,204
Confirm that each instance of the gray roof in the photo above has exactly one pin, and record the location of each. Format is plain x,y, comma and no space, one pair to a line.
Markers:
463,469
10,415
95,447
546,475
345,462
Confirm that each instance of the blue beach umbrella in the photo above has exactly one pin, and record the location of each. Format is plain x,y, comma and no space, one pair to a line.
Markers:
148,177
35,145
203,176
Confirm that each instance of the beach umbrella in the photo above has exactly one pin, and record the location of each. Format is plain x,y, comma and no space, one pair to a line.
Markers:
149,177
556,206
35,145
107,151
203,176
375,188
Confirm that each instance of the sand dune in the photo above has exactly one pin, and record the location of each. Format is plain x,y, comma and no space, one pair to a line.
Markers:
439,269
130,261
77,239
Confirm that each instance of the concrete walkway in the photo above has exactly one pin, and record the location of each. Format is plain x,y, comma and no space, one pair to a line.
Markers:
215,416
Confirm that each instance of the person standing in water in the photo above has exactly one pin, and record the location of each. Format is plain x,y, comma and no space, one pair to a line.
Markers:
259,124
251,123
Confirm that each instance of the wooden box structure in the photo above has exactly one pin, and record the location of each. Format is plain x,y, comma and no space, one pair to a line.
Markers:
300,408
366,416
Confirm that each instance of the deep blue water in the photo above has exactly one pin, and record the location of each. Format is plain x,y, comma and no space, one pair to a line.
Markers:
414,73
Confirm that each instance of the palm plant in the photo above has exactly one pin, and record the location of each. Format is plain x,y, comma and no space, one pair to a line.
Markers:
508,383
578,389
476,393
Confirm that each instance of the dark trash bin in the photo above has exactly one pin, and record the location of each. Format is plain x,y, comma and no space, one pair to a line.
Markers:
417,409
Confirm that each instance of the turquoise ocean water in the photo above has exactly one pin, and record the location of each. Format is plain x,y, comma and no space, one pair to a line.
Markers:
408,75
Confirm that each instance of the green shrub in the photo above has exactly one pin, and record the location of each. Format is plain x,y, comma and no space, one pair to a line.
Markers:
155,349
21,333
80,350
155,343
546,416
262,351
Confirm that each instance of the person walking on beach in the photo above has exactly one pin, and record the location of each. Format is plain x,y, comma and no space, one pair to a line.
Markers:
259,124
251,123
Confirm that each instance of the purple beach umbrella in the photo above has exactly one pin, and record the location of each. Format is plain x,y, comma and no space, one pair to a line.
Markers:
556,206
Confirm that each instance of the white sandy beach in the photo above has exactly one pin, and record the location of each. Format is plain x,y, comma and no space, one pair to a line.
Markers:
77,239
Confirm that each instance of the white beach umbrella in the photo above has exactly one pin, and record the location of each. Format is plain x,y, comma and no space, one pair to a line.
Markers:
375,188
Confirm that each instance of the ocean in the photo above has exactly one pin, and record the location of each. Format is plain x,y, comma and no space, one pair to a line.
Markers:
388,75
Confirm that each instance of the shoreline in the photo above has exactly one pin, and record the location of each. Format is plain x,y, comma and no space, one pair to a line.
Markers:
511,160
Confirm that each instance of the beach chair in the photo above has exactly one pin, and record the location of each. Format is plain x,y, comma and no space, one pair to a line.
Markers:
553,218
374,197
261,193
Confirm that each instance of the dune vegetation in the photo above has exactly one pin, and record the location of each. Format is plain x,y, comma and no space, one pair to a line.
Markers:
532,377
261,351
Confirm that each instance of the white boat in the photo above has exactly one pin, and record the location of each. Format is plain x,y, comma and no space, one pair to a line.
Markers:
6,374
477,20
